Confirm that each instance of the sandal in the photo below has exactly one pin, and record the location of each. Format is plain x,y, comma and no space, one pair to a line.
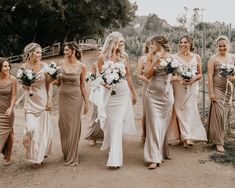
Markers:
152,166
220,148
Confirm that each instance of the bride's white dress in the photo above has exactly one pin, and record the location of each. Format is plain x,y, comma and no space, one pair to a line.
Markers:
38,125
116,117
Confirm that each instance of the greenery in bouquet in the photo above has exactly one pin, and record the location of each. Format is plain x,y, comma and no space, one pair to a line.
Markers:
226,70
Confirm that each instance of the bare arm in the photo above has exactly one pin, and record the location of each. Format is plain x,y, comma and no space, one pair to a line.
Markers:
129,81
149,66
140,68
100,62
211,79
13,96
83,87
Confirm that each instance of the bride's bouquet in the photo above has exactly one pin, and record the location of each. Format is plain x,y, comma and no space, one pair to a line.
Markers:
26,77
187,72
226,70
169,65
51,69
112,73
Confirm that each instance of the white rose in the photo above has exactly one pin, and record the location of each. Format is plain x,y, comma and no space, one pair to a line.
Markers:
163,63
19,73
174,63
168,60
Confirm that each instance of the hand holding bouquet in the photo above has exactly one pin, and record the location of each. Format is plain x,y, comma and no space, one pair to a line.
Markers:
169,65
187,72
90,77
51,69
112,73
26,77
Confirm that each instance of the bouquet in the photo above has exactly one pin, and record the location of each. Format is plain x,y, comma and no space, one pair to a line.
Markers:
26,77
90,77
51,69
187,72
226,70
169,65
112,73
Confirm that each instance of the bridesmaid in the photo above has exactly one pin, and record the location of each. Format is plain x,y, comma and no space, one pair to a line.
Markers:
159,103
118,111
140,73
38,128
186,94
95,132
8,87
220,93
71,92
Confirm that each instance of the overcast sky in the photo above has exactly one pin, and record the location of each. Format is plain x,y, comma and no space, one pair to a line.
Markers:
215,10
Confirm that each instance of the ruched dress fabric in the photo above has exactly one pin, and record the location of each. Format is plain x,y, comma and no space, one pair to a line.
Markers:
117,119
219,109
185,106
38,126
6,123
70,106
159,103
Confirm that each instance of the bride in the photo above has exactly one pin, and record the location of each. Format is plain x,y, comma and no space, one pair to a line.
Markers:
117,113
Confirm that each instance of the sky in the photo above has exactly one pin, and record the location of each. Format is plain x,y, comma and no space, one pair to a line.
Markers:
214,10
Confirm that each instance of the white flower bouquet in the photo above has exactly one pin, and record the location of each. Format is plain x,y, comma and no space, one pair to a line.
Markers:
26,77
169,65
90,77
187,72
112,73
226,70
51,69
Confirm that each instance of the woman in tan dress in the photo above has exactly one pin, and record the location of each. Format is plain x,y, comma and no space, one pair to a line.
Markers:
140,73
95,133
8,87
159,103
71,93
186,94
220,93
38,124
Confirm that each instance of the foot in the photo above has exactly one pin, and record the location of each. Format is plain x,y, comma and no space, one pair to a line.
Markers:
168,156
152,166
113,167
188,143
7,163
36,165
93,143
220,148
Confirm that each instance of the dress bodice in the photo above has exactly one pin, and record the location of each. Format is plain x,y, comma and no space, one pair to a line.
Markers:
192,63
5,96
70,78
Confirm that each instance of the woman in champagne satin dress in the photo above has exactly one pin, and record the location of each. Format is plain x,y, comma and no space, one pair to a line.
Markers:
159,103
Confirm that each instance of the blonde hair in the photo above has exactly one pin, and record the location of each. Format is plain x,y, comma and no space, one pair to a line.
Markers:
161,41
110,44
222,37
28,51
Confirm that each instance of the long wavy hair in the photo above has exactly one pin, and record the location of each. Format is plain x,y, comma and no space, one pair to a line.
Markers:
74,46
29,50
110,44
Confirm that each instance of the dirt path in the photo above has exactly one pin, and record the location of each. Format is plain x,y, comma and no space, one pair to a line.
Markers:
190,167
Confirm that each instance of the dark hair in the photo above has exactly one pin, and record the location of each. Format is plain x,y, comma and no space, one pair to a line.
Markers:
73,45
190,41
2,60
162,42
146,45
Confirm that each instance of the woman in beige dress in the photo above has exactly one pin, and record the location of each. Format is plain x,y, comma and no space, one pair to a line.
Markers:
117,109
95,133
159,103
186,94
72,92
38,127
220,93
140,74
8,86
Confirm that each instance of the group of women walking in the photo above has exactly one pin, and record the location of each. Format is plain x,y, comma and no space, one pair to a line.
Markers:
169,101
